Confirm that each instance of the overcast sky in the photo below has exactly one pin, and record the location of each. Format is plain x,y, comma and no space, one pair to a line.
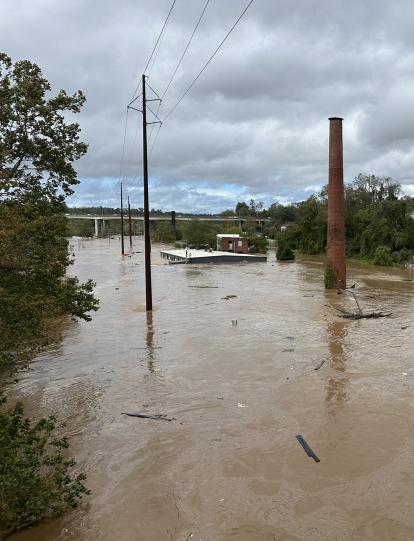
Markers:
255,124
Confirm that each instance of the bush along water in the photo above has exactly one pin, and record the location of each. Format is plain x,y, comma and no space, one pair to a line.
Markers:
36,477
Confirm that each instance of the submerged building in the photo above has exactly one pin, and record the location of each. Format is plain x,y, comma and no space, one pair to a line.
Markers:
232,243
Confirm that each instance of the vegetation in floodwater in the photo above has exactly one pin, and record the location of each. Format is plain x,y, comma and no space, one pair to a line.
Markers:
284,250
382,256
36,478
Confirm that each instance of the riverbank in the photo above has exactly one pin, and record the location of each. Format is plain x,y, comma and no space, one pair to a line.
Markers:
230,353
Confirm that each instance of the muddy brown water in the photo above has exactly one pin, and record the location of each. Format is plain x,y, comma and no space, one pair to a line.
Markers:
229,467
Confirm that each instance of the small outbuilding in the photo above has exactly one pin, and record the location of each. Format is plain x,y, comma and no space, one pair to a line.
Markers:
232,243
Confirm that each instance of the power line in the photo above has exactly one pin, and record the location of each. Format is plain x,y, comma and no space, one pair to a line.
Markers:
208,62
156,43
185,50
175,72
123,146
160,36
155,139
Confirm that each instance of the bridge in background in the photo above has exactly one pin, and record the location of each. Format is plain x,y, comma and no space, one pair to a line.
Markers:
172,218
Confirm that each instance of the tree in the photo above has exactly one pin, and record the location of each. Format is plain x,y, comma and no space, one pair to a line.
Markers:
198,233
37,145
284,250
242,210
36,481
164,232
37,149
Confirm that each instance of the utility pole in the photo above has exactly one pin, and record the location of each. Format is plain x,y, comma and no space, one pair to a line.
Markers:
129,223
122,225
147,240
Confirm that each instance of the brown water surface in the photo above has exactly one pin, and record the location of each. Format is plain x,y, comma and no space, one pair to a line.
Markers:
229,468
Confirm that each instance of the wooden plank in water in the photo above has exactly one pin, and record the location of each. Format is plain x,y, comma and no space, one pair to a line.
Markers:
307,448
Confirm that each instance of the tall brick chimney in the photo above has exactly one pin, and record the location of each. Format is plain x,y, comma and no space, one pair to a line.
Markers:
336,206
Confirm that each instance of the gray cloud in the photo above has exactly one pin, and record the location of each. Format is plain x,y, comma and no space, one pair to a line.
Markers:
255,124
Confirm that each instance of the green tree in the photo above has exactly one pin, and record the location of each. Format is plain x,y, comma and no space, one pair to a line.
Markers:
242,209
198,233
382,256
37,149
284,250
36,481
164,232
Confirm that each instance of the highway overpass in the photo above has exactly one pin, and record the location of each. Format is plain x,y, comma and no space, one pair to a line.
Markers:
102,219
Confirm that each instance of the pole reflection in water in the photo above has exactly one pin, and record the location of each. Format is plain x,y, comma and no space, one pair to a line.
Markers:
150,343
337,392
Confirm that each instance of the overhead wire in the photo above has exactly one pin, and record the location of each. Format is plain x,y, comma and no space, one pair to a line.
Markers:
155,140
185,49
174,73
174,107
123,145
159,38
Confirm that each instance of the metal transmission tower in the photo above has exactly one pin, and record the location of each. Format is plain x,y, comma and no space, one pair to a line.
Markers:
147,237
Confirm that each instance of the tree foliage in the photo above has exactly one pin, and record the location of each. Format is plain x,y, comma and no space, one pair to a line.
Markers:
37,150
36,479
165,232
284,250
376,216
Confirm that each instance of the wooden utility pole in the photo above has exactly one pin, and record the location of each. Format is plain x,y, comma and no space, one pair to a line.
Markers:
122,225
147,239
130,225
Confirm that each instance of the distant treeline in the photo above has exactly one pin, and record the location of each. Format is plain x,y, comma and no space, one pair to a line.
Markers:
378,223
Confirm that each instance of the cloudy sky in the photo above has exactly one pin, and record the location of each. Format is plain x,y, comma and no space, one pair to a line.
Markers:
255,124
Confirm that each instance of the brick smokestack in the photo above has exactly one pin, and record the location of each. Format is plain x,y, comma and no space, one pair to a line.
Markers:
336,205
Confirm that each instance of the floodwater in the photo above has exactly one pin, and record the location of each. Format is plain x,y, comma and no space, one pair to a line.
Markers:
238,377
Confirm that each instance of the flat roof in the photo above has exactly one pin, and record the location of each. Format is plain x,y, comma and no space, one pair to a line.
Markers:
202,253
231,236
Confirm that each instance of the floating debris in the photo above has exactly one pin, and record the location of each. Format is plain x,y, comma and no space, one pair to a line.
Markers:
205,287
320,364
158,417
370,315
307,449
360,314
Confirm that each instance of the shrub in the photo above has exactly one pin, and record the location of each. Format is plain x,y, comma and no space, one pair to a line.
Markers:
258,244
402,256
284,253
382,256
35,478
